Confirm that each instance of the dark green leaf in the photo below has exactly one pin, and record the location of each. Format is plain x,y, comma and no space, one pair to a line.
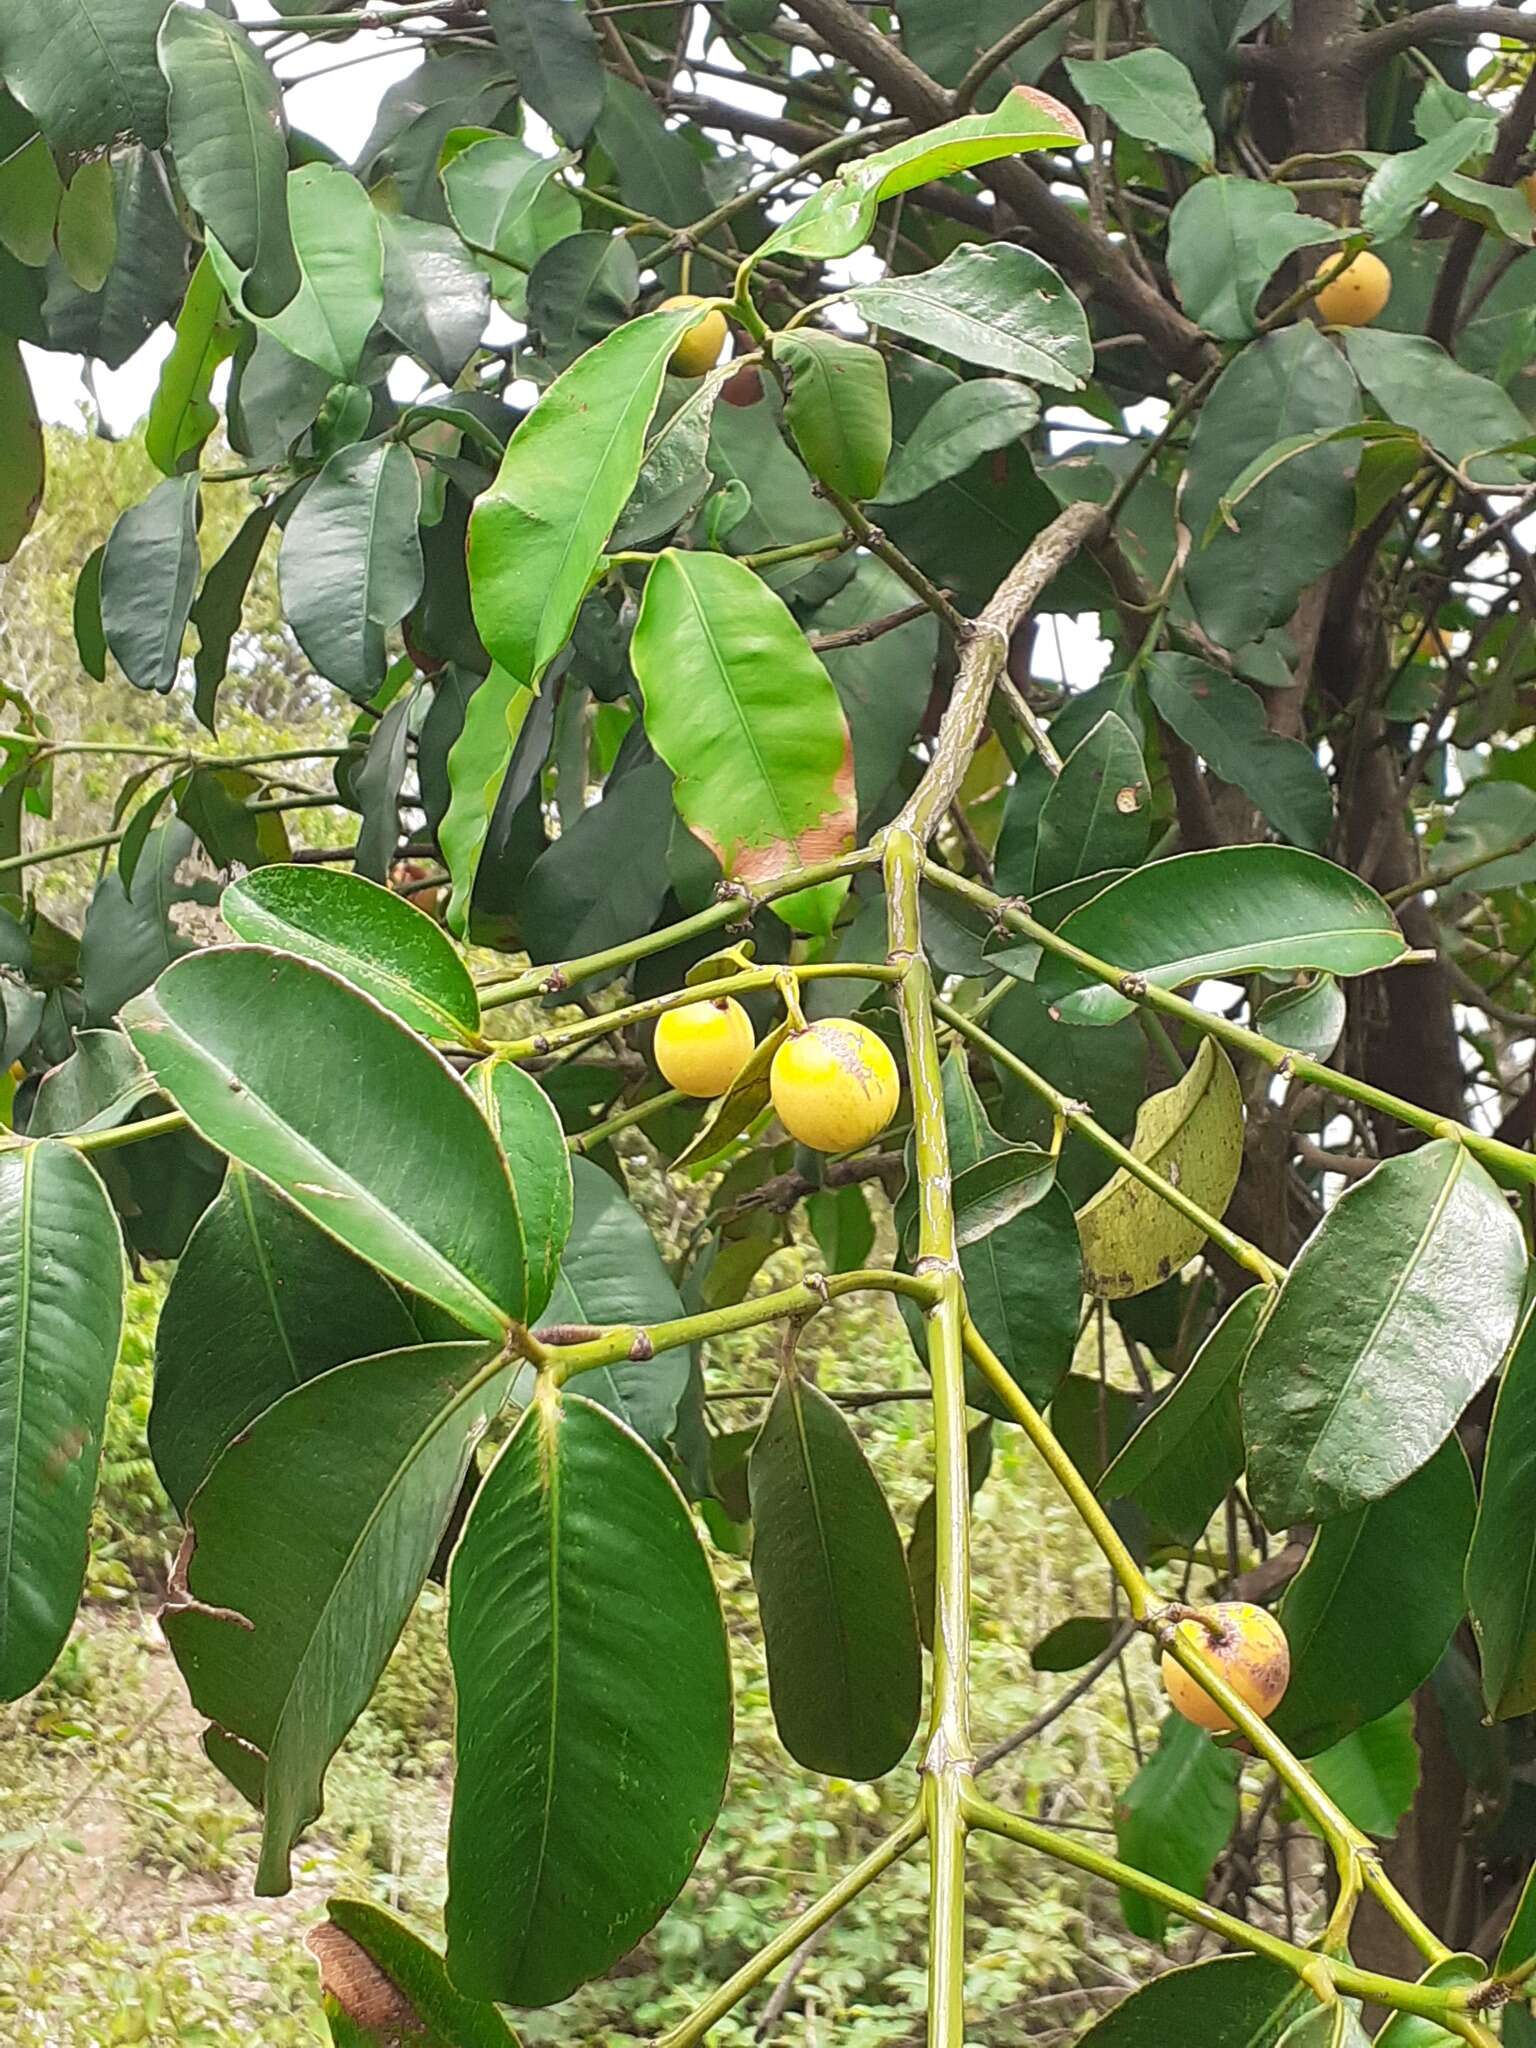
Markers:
1095,816
227,136
1149,94
552,47
127,940
966,422
838,409
1501,1570
90,640
1413,2030
1073,1643
350,563
220,606
436,300
1000,306
1400,1306
1519,1943
1309,1017
1373,1774
528,1130
23,471
1369,1614
1225,912
431,2011
1229,2002
1223,720
1174,1818
1227,239
281,1643
86,69
885,684
97,1088
844,1665
145,284
61,1305
1418,385
422,1194
594,1695
842,1226
578,291
261,1301
148,581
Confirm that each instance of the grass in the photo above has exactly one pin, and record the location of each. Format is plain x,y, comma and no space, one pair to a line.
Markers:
126,1912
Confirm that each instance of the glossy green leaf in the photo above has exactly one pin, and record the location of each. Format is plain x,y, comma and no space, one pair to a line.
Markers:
1501,1569
844,1664
747,448
1174,1819
477,768
128,939
220,606
1373,1773
922,1546
181,413
580,290
1229,2002
529,1133
1148,94
1400,1307
1000,306
1189,1451
1413,2030
436,298
1336,2025
963,424
747,719
61,1305
360,1941
537,536
422,1194
1457,412
23,472
148,581
1223,720
838,408
340,254
990,1193
1191,1135
97,1088
350,563
1298,522
1096,813
552,47
505,204
838,216
87,225
604,881
1399,188
1227,238
1074,1643
613,1273
1309,1018
1369,1614
260,1302
594,1706
86,69
1229,911
842,1226
281,1662
146,282
227,136
90,640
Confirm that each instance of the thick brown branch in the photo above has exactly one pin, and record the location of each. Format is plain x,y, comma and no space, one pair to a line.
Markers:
1436,25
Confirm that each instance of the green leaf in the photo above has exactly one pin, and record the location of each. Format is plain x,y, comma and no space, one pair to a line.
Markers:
1460,414
922,1547
30,192
747,719
551,46
146,283
1227,238
181,413
842,1226
1519,1943
1413,2030
1298,522
604,881
148,581
61,1304
1095,814
1189,1451
422,1194
90,640
594,1696
1000,306
1401,1304
613,1273
24,470
838,410
963,424
1148,94
228,137
436,299
359,1942
1192,1137
1072,1644
1229,2002
1501,1570
87,225
1336,2025
1174,1818
505,205
127,940
994,1190
1399,188
350,564
339,248
1223,720
378,941
220,607
97,1088
281,1642
260,1302
528,1130
477,767
844,1665
537,536
1369,1614
86,70
885,684
1309,1017
1373,1774
580,290
1229,911
839,215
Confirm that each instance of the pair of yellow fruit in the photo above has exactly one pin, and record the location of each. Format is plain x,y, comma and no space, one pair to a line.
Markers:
834,1084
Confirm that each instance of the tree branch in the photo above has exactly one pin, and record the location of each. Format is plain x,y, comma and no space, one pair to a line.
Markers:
1435,25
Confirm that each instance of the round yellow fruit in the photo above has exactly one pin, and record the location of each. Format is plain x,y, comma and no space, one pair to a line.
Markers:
1356,295
702,1047
699,349
1248,1648
835,1085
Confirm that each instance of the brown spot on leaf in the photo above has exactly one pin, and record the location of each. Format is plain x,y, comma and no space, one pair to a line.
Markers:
365,1993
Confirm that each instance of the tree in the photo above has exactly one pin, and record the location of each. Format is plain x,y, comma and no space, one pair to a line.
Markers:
689,682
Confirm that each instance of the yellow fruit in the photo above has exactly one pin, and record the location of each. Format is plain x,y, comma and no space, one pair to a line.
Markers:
834,1085
699,349
1249,1650
1356,295
702,1047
